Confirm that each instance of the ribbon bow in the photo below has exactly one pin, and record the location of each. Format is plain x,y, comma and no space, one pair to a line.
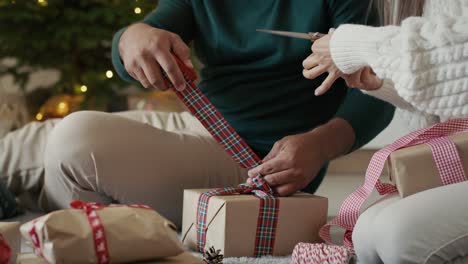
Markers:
267,216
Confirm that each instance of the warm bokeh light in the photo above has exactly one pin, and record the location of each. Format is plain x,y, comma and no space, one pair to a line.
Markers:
62,108
109,74
39,117
83,88
137,10
42,2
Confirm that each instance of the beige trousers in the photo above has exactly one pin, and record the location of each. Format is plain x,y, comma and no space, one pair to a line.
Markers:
129,157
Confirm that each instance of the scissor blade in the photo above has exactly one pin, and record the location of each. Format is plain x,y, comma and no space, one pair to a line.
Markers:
286,33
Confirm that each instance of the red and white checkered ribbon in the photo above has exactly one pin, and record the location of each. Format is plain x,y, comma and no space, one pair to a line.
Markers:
448,164
99,236
5,251
305,253
199,105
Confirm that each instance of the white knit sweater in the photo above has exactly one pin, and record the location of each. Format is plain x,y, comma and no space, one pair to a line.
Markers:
423,62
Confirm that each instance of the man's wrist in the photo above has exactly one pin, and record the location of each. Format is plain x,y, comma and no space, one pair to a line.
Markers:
336,138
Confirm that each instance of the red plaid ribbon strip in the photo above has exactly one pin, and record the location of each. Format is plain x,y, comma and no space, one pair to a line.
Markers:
99,236
267,216
236,147
445,156
212,120
5,251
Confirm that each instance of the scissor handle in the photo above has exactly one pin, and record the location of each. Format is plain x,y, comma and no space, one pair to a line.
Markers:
315,35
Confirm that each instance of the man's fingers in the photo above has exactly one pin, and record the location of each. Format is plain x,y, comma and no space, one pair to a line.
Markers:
169,65
273,152
274,165
286,189
279,178
153,73
140,76
181,50
327,84
315,72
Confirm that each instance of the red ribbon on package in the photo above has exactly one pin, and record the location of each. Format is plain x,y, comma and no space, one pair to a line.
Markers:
5,251
99,236
445,156
199,105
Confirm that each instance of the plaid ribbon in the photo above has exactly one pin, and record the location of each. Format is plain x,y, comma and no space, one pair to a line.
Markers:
239,150
445,156
99,236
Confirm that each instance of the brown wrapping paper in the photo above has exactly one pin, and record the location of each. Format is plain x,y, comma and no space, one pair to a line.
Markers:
11,234
233,222
132,234
184,258
413,169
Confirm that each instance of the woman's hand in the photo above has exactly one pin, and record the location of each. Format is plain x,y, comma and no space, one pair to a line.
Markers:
145,50
292,163
364,79
320,62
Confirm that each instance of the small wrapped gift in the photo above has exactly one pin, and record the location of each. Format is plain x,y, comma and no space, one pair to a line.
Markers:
10,240
414,169
233,222
97,234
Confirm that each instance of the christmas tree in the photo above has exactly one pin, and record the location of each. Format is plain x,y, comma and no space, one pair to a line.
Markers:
71,36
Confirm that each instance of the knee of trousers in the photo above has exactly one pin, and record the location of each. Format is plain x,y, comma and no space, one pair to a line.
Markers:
69,166
395,236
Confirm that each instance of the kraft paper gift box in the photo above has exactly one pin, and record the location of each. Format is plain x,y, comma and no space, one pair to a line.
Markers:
232,222
184,258
132,234
413,170
11,235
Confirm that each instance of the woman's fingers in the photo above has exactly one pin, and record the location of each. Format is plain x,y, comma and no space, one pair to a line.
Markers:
315,72
310,62
327,84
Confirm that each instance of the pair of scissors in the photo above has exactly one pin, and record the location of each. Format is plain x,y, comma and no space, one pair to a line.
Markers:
312,36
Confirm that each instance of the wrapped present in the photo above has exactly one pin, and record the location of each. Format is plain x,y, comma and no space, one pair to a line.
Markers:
184,258
92,233
10,240
417,168
234,223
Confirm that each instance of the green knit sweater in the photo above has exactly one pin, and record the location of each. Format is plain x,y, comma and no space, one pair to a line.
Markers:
255,79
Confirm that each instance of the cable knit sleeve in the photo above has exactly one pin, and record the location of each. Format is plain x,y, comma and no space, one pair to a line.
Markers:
426,59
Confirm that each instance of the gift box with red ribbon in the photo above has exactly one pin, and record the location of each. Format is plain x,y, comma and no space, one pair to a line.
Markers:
93,233
242,223
10,240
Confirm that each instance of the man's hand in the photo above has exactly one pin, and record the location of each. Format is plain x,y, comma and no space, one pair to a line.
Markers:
320,62
294,161
145,49
364,79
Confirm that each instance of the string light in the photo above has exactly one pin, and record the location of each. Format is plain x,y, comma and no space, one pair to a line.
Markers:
83,88
109,74
137,10
39,116
42,2
62,108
